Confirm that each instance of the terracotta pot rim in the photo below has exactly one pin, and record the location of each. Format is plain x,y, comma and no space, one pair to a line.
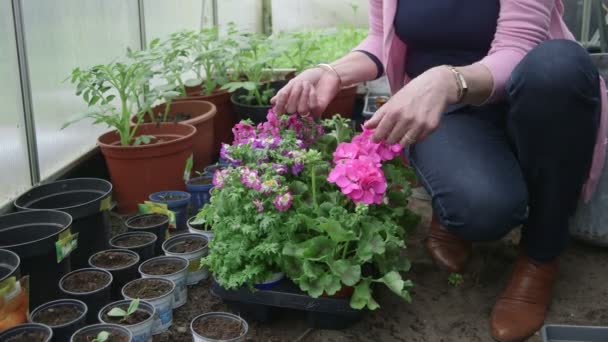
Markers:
106,136
208,115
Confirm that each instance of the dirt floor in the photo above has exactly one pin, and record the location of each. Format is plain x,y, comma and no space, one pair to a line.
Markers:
440,312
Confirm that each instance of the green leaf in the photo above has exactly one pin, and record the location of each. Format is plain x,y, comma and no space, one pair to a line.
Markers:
331,284
393,281
103,336
143,140
117,312
336,232
188,168
349,273
362,297
193,82
133,306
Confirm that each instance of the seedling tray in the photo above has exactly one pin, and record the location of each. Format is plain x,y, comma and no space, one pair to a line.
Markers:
267,305
572,333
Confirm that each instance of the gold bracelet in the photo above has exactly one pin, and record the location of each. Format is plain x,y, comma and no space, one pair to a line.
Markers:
463,88
330,68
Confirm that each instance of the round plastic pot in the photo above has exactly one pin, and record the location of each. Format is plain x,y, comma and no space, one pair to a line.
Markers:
33,235
195,272
142,332
63,332
14,296
95,299
9,265
145,251
200,338
27,328
158,228
223,121
257,114
343,103
178,206
210,170
271,282
87,200
194,229
137,171
201,115
199,193
180,277
163,318
90,333
120,275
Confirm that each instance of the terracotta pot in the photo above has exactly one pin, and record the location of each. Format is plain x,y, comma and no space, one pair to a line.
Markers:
201,115
137,171
343,103
225,118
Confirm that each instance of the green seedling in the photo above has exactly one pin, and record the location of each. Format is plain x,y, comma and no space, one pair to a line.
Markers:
455,279
118,312
102,337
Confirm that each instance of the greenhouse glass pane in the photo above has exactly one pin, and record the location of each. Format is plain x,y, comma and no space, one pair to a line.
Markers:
165,17
317,14
61,35
14,162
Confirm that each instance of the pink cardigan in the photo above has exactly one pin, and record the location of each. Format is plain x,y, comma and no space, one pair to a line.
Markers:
522,24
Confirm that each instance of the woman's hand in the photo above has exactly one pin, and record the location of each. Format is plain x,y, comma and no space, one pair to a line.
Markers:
415,111
308,93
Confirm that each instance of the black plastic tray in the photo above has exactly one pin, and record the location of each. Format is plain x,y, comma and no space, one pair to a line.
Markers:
267,305
573,333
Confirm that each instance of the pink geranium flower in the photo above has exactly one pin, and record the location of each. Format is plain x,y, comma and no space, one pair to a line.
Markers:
283,202
359,179
243,133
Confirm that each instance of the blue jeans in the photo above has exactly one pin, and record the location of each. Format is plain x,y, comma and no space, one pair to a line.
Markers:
524,161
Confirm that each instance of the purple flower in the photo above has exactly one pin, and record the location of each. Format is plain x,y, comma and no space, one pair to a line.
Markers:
269,186
225,155
296,168
218,178
243,132
251,179
259,206
283,202
280,168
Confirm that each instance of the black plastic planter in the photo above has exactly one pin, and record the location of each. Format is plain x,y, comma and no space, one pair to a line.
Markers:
27,333
87,200
120,274
94,298
91,332
34,236
153,223
9,265
257,114
62,332
134,241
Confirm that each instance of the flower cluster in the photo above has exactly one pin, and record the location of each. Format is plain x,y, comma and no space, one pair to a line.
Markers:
358,170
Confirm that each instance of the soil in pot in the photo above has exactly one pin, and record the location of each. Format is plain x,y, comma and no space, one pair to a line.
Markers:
201,181
29,336
162,267
172,197
111,259
134,318
188,245
133,241
58,315
218,328
85,281
146,221
114,337
147,288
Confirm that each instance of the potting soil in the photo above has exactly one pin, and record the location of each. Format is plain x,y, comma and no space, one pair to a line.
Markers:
187,246
114,337
135,318
58,315
111,259
29,336
201,181
147,289
218,328
132,241
147,221
85,281
162,267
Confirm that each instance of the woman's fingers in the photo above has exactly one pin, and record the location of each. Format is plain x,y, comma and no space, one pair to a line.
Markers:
385,127
303,104
375,120
399,130
313,102
280,99
294,98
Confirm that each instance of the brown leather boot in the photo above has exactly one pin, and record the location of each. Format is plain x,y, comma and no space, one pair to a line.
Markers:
520,310
447,250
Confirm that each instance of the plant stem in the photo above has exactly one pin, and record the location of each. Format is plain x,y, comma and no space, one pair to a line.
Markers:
314,187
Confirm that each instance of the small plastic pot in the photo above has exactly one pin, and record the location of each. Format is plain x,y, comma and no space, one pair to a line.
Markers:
194,229
179,276
120,274
145,250
142,331
163,318
255,113
210,170
95,299
195,272
28,329
270,282
157,224
177,202
62,332
13,294
89,333
199,189
200,337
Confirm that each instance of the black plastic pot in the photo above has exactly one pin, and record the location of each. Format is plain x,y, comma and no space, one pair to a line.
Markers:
33,236
159,228
87,200
9,264
89,333
145,251
257,114
121,275
96,299
27,328
63,332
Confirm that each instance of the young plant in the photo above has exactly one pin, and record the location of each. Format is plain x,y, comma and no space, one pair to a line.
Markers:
455,279
114,92
299,48
103,336
118,312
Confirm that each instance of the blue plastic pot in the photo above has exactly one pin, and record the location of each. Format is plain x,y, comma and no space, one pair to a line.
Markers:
199,189
271,282
177,202
210,170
